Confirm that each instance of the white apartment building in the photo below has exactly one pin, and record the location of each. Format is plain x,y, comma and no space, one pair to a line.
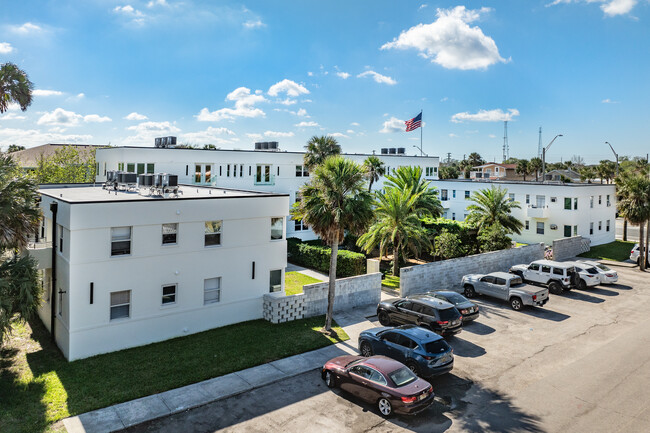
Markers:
548,210
261,170
131,269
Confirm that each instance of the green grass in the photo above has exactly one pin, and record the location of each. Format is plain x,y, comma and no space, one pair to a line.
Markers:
39,387
618,251
391,282
293,282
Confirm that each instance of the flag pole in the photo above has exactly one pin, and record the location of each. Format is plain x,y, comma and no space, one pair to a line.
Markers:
421,128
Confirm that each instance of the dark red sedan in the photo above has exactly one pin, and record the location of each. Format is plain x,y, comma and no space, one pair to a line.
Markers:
389,384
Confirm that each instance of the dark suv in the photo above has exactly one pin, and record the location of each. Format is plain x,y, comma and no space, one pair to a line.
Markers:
439,316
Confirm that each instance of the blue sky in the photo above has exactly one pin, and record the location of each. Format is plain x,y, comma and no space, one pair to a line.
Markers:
231,73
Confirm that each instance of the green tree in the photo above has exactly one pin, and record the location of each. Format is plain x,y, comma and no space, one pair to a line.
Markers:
587,173
493,238
634,205
397,226
410,179
448,172
14,148
67,164
448,245
374,169
523,167
15,87
492,206
535,166
475,159
334,201
606,170
319,149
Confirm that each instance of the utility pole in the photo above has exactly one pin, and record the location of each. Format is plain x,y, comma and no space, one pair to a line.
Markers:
448,157
539,144
506,149
615,154
544,156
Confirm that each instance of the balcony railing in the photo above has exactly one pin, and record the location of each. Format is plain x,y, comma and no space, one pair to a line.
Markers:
533,211
264,180
38,245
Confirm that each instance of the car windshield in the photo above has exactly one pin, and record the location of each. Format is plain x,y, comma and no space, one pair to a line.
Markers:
449,314
402,376
603,267
437,346
592,270
351,364
455,298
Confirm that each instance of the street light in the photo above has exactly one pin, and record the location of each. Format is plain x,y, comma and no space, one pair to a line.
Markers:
544,156
420,149
615,154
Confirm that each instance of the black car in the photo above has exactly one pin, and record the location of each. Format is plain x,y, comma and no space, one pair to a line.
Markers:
439,316
467,308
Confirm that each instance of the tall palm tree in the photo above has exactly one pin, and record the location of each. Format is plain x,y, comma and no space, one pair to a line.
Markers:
319,148
410,179
535,166
397,226
492,206
635,206
587,173
14,87
335,201
375,168
523,167
475,159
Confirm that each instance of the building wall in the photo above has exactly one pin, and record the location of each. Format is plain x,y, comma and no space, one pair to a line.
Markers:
283,169
447,274
552,214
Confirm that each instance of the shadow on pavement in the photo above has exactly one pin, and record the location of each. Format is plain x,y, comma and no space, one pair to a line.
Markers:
620,287
464,348
581,296
478,328
544,313
601,291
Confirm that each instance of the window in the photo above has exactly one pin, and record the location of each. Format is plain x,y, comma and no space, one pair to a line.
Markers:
234,170
169,294
540,228
211,290
600,199
429,171
141,168
263,174
453,193
213,233
591,201
609,203
241,170
228,170
466,195
527,198
575,203
278,171
607,226
575,230
150,168
453,216
567,203
104,169
591,228
558,271
534,267
120,241
567,231
527,225
120,304
208,173
301,171
120,166
130,167
600,225
43,228
277,227
169,232
511,197
540,201
546,269
553,199
275,281
298,224
60,238
443,195
197,173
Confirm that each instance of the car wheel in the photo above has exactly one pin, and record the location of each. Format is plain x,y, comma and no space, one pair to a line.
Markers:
384,319
385,407
469,291
555,288
329,379
413,366
366,349
516,304
582,284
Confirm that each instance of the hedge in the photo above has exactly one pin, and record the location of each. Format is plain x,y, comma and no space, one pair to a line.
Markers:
317,257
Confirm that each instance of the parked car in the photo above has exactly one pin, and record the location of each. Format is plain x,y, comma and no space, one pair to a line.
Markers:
379,380
421,310
502,285
588,275
557,276
467,308
423,351
606,274
635,254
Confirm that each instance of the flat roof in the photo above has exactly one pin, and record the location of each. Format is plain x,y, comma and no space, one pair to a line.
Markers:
524,182
94,193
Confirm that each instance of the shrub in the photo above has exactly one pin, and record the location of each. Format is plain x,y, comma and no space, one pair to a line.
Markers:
448,245
312,254
493,238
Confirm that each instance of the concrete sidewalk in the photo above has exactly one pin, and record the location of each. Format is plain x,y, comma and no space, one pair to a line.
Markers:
123,415
309,272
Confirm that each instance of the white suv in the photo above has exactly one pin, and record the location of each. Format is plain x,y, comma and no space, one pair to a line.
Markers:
558,276
635,254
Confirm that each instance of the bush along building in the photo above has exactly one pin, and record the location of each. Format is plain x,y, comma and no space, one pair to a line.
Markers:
127,265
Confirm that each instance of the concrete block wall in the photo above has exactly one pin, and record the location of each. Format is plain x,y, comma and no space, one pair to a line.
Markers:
351,292
447,274
372,266
566,248
279,309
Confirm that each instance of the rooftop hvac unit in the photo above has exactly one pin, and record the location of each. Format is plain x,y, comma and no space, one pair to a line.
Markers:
401,150
170,180
384,151
258,146
158,142
392,150
158,180
110,175
171,141
129,178
273,145
145,180
265,145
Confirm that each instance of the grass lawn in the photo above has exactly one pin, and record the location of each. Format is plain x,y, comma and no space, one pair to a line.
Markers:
293,282
39,387
617,250
391,282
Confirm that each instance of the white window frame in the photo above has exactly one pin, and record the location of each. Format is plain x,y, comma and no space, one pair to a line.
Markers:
275,289
162,238
213,233
211,290
129,240
543,229
111,306
282,228
162,293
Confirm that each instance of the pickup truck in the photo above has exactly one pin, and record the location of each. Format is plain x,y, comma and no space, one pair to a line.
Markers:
503,285
557,276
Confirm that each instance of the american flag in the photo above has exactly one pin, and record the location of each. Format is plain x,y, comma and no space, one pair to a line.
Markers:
414,123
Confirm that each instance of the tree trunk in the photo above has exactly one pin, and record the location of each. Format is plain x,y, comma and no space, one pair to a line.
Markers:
370,186
647,241
395,261
624,229
332,286
641,248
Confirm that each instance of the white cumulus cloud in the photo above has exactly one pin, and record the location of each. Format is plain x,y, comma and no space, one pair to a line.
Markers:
393,125
450,41
610,8
26,28
5,48
291,88
343,75
145,132
211,135
60,117
42,92
496,115
278,134
337,135
35,137
254,24
382,79
135,116
254,136
12,116
244,106
96,118
306,124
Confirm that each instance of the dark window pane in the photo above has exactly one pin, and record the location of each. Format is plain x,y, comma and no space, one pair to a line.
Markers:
119,248
212,239
449,314
436,346
120,312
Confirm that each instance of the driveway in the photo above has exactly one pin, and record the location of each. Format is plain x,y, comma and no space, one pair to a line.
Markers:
581,364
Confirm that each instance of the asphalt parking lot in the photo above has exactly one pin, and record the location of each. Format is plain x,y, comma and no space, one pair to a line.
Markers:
580,364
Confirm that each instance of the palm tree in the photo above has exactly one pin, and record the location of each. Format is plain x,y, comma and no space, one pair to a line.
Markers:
475,159
635,206
523,167
335,201
492,206
410,179
374,169
535,166
587,173
14,87
397,226
319,148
